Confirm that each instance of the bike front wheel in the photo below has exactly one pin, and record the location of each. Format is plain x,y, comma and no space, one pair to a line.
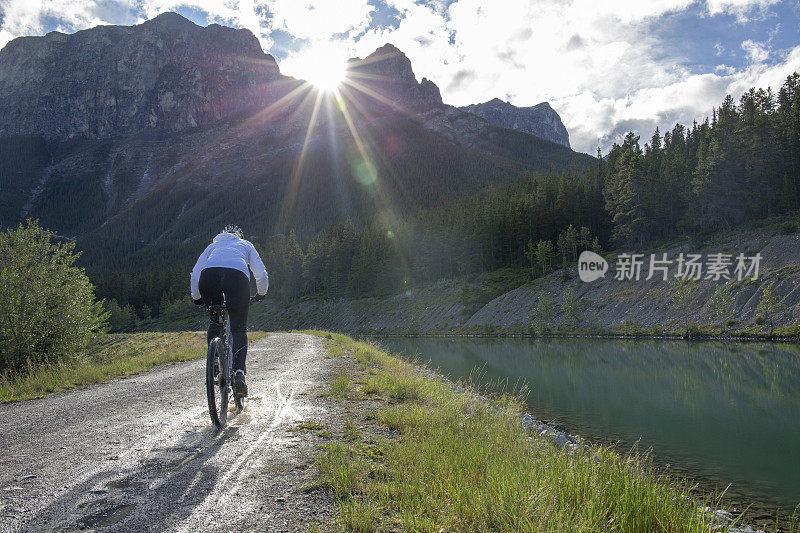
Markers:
217,387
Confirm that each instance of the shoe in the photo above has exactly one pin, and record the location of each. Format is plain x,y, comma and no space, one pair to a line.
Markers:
239,385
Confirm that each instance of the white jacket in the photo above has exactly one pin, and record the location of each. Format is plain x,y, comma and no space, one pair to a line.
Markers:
230,251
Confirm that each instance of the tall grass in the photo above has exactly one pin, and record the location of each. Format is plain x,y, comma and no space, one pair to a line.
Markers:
340,386
460,464
108,357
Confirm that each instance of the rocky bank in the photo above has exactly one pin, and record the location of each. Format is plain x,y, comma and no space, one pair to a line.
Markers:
605,305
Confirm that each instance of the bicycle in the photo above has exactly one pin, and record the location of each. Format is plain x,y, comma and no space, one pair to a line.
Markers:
219,368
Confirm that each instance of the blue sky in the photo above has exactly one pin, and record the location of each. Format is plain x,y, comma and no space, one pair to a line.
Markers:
606,67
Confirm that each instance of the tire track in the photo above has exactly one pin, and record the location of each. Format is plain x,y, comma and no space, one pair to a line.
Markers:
140,454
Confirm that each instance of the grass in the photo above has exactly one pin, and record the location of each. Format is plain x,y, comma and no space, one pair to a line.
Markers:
490,285
334,349
340,386
307,425
107,357
456,463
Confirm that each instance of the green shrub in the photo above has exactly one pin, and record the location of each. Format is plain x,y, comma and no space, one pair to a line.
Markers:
120,318
48,303
787,228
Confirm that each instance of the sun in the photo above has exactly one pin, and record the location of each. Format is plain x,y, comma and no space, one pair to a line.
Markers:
321,65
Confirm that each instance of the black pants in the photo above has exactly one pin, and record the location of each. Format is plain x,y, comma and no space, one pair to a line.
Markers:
235,286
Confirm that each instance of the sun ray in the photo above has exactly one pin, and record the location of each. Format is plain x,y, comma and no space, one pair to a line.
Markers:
397,182
198,157
289,197
385,211
378,96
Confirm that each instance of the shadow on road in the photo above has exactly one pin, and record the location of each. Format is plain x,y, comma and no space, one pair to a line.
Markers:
158,493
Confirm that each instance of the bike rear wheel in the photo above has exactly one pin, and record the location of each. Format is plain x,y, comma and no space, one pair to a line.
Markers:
217,387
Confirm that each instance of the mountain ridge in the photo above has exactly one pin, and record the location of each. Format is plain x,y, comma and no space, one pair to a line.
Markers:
165,74
170,74
540,120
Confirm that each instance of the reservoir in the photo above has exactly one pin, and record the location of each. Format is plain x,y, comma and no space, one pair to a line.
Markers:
717,413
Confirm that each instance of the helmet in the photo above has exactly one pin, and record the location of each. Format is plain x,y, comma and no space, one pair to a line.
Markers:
230,228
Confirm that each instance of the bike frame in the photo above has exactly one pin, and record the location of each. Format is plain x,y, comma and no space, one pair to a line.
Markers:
223,381
221,311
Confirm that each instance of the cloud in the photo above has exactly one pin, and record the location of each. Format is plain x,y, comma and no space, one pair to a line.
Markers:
460,77
595,62
27,17
575,42
599,64
250,14
756,52
320,20
743,10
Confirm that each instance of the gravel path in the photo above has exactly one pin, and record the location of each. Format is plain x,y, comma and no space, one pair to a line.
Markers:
140,453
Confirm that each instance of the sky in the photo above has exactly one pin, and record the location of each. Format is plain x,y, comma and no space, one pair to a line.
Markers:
607,67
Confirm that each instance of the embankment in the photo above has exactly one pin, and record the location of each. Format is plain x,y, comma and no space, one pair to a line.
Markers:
605,306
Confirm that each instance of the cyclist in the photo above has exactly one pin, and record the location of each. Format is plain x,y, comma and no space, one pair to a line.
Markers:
224,269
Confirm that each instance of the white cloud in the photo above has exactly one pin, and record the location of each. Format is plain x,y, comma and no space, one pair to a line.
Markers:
744,10
594,61
26,17
756,52
319,20
238,13
5,37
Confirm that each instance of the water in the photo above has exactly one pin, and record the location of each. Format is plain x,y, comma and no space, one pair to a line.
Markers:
715,412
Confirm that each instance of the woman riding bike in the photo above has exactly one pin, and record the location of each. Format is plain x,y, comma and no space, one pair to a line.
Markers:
223,269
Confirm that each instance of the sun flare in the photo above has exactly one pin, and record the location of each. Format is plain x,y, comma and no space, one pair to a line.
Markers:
322,66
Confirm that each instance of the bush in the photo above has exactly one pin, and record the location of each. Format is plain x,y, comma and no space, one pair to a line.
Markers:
177,309
787,228
121,318
49,310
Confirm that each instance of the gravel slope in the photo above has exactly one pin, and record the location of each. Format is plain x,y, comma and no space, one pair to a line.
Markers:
605,303
140,453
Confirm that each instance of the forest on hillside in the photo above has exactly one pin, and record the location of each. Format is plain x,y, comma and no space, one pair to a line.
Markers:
738,165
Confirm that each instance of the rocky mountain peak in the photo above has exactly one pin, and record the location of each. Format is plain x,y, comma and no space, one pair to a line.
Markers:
540,120
387,61
387,71
171,20
166,74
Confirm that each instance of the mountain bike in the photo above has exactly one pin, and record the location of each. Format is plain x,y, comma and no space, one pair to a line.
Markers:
219,368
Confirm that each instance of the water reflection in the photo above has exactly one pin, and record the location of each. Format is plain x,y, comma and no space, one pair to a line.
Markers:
721,412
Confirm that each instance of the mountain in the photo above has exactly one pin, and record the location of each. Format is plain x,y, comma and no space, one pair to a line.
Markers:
540,120
387,72
140,142
167,74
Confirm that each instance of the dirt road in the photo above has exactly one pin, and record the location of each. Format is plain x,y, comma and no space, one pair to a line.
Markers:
140,454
